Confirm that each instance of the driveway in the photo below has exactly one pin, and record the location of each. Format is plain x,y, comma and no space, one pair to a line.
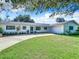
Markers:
8,41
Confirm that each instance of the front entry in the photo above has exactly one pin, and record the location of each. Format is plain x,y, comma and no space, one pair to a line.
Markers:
31,29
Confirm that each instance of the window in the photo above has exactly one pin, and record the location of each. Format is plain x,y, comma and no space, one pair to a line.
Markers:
38,28
24,27
70,27
31,28
45,28
6,0
10,27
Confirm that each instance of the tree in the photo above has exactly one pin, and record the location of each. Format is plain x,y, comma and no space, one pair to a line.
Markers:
0,19
42,5
24,18
1,30
60,20
46,3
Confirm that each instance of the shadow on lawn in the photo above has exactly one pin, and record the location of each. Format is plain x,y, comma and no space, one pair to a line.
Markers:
72,35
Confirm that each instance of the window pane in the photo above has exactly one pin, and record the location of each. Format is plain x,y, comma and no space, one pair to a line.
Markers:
45,28
24,27
10,27
38,28
70,27
31,28
6,0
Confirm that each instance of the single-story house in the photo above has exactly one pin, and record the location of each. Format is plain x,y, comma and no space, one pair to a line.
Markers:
23,27
27,28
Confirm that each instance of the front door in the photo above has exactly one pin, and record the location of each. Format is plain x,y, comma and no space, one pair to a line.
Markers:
31,29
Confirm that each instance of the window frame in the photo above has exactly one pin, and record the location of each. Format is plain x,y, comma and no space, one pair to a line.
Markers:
10,27
38,28
45,28
71,27
24,27
6,0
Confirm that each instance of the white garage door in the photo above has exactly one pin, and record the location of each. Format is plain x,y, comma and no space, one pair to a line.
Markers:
58,29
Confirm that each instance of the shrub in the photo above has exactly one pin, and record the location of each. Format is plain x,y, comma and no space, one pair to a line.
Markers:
77,31
1,30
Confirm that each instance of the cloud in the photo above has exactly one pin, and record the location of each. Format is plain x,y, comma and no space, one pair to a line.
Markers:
76,13
43,18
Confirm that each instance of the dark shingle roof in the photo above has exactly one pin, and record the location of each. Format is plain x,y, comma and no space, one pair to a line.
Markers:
60,23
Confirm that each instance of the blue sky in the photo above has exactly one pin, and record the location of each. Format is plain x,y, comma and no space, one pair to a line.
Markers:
39,18
44,16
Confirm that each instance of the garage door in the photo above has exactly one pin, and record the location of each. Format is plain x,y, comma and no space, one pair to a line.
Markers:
58,29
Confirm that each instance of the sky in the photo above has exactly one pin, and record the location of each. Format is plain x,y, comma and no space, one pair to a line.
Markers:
39,18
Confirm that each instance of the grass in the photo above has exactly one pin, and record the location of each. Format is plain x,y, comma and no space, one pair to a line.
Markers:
50,47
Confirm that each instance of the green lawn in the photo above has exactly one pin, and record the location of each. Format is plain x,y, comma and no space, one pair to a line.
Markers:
50,47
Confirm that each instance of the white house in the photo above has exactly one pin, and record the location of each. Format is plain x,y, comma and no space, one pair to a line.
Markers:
27,28
23,27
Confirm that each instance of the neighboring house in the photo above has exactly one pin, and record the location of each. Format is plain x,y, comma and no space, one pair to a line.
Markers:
23,27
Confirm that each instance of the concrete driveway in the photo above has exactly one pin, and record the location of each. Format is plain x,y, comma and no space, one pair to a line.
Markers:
8,41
